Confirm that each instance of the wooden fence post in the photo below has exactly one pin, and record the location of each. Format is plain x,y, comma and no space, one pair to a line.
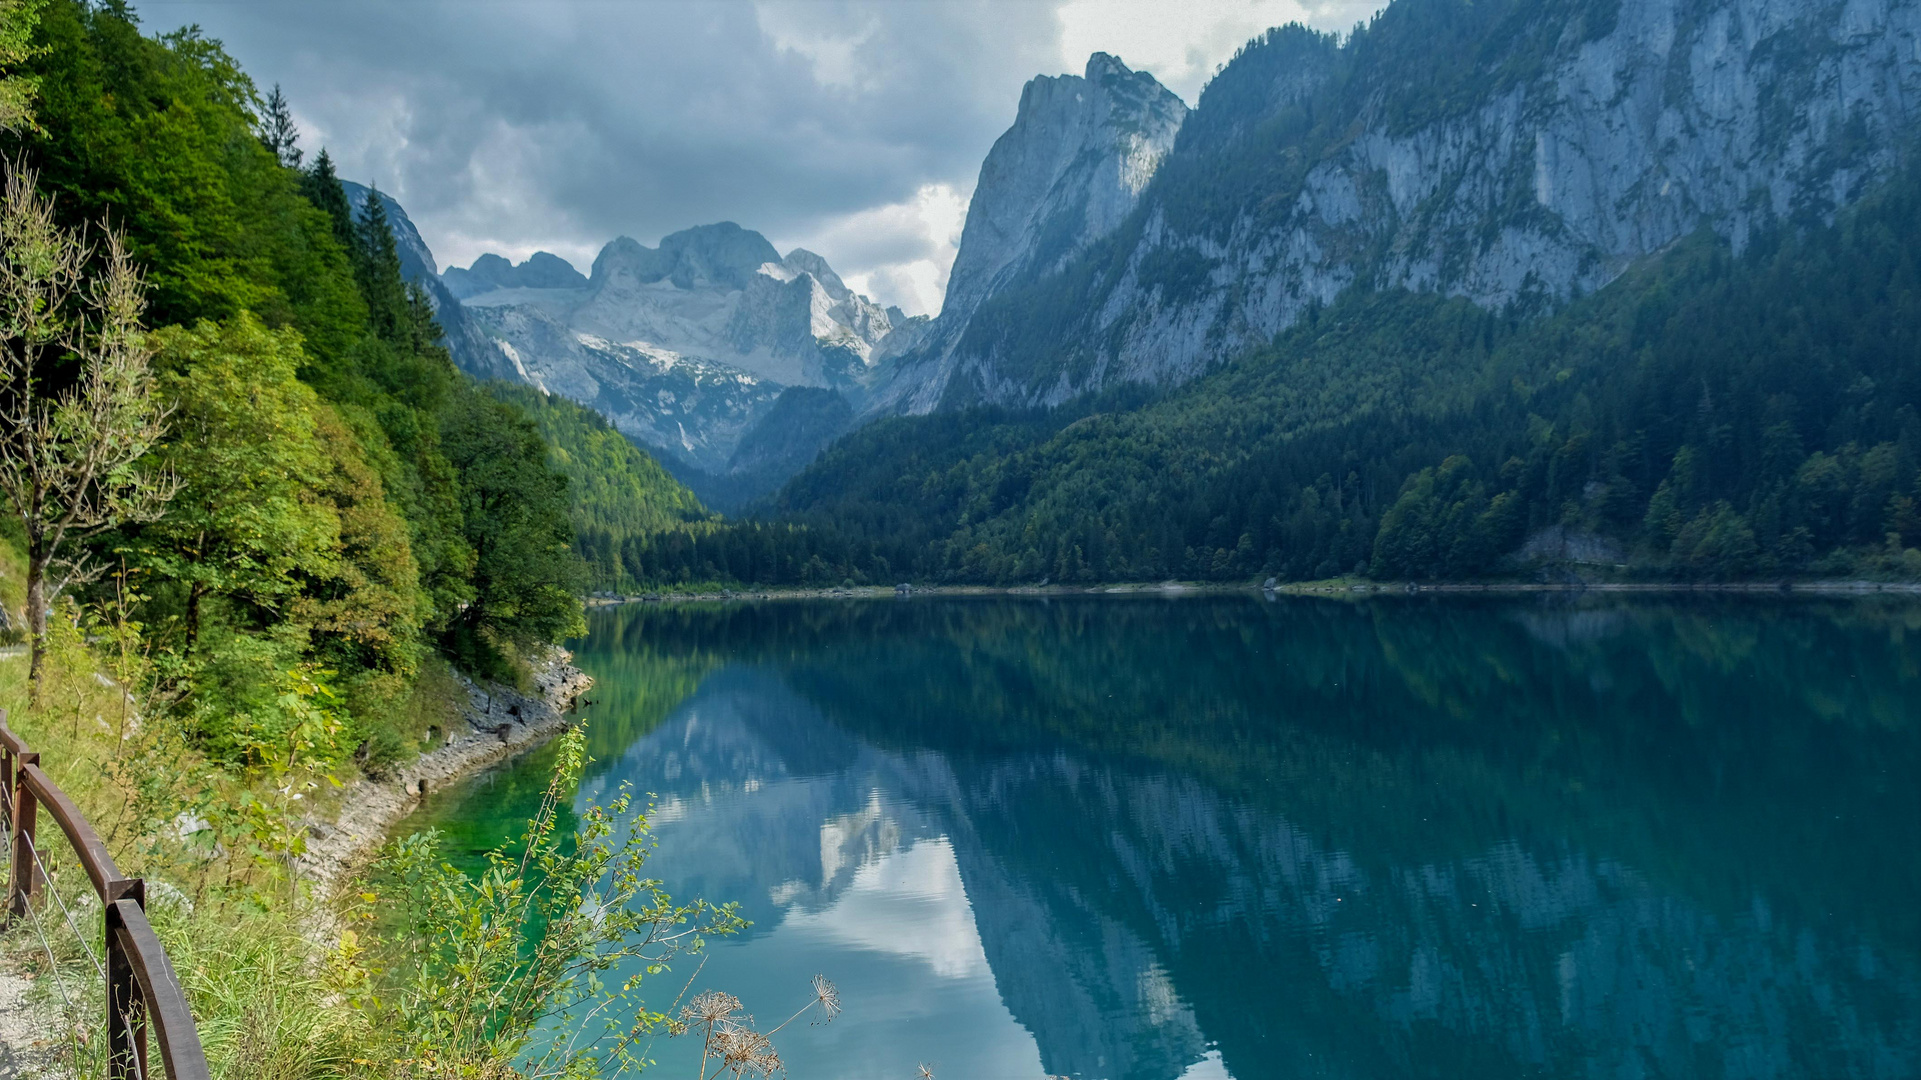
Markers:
143,992
23,876
126,1008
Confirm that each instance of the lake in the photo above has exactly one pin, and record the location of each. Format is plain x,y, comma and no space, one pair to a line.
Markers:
1148,838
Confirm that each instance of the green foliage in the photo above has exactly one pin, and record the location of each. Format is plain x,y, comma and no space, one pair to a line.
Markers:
1444,525
1704,417
157,138
472,966
349,495
18,18
245,526
514,511
281,565
618,492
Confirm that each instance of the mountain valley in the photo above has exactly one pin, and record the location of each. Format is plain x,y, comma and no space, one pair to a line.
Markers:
1440,182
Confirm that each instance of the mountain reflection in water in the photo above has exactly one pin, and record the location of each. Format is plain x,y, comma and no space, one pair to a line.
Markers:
1149,839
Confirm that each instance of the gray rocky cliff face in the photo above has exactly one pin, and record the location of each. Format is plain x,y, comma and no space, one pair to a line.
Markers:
542,270
1605,133
1070,169
469,349
684,347
1079,153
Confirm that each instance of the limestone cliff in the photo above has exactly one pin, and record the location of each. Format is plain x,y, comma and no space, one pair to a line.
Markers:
1510,152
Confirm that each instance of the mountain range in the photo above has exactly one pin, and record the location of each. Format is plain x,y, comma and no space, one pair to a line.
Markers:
1525,159
692,348
1509,153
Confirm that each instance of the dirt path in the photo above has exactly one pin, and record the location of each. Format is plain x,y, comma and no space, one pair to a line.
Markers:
29,1039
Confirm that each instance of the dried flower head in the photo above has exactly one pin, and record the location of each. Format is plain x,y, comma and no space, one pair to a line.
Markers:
708,1009
828,995
744,1051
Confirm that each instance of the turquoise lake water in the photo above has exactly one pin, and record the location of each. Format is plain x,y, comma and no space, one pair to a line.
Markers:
1149,839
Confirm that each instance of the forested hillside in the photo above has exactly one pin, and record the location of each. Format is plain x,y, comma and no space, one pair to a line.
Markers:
1705,417
344,505
618,492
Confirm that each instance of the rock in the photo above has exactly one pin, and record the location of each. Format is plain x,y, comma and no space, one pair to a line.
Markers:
1578,145
1072,167
368,808
685,347
490,272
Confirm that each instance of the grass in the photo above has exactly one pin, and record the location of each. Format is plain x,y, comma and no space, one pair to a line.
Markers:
251,949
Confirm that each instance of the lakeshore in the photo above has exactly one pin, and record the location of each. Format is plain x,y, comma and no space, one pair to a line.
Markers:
1333,587
501,723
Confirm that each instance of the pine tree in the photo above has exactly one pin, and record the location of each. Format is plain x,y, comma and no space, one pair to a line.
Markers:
277,131
377,264
322,187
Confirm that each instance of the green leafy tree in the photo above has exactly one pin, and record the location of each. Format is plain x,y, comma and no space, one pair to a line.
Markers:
514,511
77,408
289,575
18,19
247,526
619,495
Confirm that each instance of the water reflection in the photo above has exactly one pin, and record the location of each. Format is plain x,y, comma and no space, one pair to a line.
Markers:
1210,838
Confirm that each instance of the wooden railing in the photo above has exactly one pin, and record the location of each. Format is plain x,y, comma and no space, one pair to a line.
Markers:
141,989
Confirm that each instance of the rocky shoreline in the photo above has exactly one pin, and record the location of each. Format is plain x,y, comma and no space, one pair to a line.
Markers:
1300,588
501,722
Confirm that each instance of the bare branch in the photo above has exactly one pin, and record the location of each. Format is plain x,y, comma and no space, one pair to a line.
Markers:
71,458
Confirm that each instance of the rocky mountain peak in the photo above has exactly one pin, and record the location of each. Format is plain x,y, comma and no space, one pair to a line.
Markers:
1080,152
1073,164
803,261
542,270
721,254
1512,152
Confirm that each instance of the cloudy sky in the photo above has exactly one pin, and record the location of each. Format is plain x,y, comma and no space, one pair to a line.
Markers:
855,128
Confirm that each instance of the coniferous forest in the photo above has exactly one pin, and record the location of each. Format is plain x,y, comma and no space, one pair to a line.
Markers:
1707,417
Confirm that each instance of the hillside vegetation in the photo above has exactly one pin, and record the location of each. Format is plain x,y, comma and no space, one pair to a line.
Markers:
1707,416
348,503
255,521
619,494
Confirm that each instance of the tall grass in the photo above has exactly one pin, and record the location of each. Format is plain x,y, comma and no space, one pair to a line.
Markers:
251,948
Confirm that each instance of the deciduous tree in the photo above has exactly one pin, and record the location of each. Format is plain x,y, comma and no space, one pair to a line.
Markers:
77,408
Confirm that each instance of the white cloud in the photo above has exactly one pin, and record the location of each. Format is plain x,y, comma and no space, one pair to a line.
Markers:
1183,44
855,128
918,889
834,57
899,253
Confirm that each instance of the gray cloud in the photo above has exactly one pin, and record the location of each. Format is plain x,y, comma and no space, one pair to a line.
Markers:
853,128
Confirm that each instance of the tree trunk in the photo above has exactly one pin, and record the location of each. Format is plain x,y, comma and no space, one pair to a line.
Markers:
194,593
36,625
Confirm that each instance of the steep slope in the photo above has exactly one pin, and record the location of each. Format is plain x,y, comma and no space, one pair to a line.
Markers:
617,489
1505,151
469,348
685,347
1705,416
1065,175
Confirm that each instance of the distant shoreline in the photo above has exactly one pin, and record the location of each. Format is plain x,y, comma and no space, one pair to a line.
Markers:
1301,588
